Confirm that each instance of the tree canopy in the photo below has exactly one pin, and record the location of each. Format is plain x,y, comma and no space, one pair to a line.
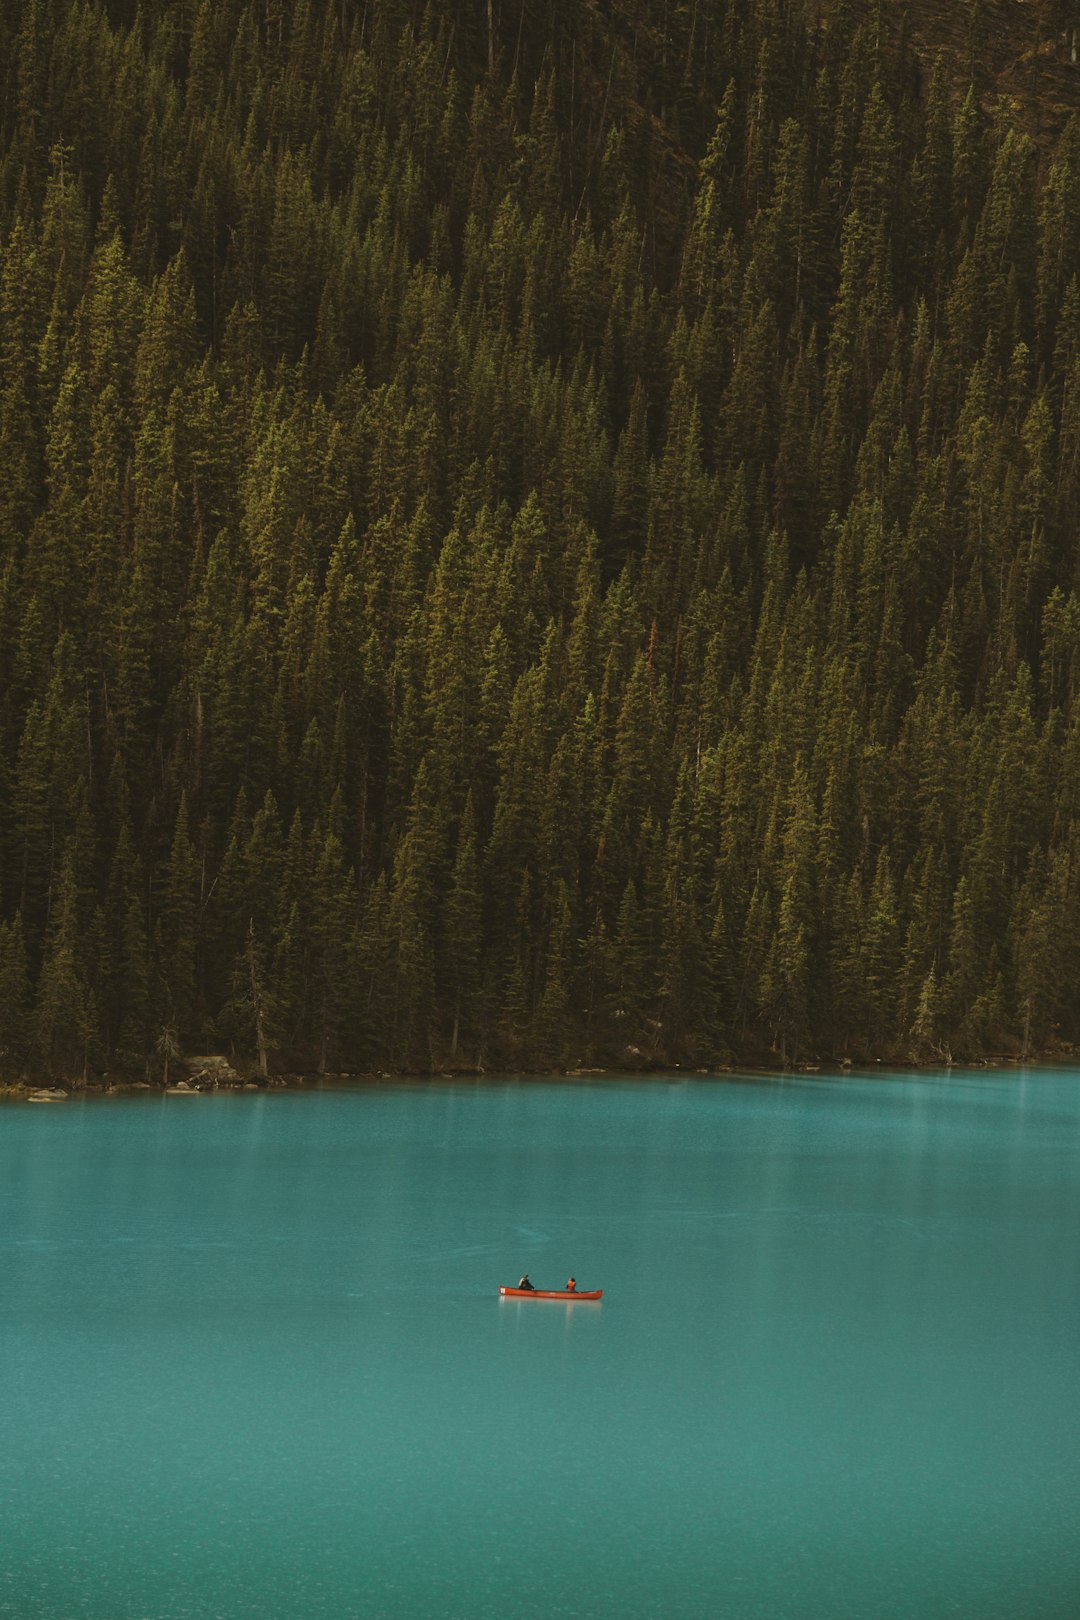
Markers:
534,534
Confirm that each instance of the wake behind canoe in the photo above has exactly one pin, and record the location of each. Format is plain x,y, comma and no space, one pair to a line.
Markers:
550,1293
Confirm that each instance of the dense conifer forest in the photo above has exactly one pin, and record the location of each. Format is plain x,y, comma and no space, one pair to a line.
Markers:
537,533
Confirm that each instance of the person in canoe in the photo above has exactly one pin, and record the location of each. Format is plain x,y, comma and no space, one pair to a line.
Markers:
526,1284
571,1286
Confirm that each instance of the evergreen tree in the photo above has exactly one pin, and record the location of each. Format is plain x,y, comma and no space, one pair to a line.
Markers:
63,1012
490,572
177,929
14,998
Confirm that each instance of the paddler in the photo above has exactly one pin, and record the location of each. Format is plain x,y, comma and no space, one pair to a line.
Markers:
526,1284
571,1285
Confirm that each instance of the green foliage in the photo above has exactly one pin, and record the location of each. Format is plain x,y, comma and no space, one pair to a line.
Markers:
531,539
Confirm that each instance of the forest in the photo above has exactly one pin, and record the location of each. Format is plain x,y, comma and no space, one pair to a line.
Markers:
537,533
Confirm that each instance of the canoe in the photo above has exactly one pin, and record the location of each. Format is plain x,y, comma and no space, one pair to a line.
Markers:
550,1293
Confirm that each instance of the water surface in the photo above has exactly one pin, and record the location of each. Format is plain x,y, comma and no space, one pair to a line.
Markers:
254,1365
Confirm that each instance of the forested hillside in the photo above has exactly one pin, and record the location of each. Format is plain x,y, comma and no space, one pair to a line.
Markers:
536,533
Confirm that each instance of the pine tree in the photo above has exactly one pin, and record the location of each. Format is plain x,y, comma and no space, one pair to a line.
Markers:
334,908
177,929
63,1011
14,998
627,542
463,932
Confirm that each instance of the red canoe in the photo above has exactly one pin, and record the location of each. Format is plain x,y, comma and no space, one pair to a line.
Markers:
550,1293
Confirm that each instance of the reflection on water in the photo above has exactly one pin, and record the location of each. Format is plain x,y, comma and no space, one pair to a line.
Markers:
256,1363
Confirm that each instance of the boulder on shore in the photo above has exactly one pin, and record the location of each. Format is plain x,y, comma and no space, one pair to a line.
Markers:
208,1072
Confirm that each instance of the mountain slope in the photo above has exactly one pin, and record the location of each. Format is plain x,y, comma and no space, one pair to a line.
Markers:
535,534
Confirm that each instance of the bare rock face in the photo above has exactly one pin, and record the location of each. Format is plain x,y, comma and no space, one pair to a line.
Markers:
48,1094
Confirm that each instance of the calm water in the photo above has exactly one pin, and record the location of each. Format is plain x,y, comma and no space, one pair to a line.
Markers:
253,1364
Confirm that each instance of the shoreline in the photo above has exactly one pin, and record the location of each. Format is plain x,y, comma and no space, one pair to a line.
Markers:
205,1084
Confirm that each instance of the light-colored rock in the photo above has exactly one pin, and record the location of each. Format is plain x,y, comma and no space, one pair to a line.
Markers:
211,1069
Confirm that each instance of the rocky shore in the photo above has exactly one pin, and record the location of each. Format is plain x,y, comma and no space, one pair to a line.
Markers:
207,1074
193,1077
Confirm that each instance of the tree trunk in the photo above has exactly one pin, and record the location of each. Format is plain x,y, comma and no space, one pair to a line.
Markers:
257,998
457,1021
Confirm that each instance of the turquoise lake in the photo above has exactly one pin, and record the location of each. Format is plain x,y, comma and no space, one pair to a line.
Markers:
253,1362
